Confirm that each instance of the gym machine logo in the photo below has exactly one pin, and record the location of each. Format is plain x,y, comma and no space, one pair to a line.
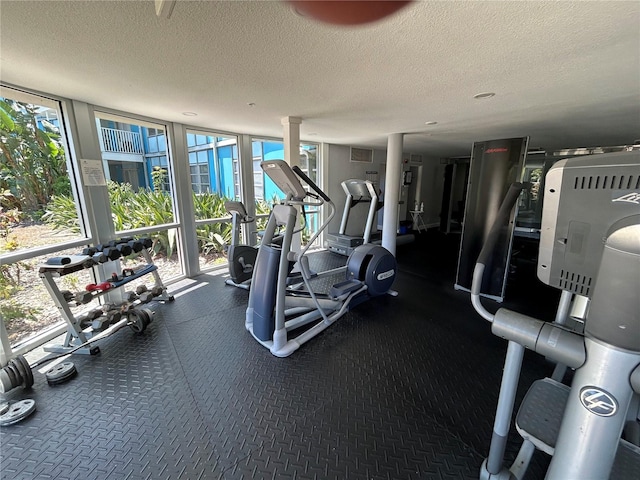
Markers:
496,150
632,197
385,275
598,401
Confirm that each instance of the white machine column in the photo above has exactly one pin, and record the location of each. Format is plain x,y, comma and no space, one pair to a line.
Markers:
392,193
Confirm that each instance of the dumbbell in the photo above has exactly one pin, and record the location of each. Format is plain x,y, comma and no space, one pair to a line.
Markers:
112,253
124,249
100,257
83,320
130,296
121,240
67,295
92,287
157,290
100,323
91,251
83,297
113,316
141,289
136,245
145,297
146,242
86,318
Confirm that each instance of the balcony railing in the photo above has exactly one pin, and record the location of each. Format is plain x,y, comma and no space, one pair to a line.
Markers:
121,141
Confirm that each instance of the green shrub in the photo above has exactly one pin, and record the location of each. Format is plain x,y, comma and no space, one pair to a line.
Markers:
61,213
131,210
144,208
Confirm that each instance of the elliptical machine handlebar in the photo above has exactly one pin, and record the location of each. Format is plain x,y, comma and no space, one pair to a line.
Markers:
502,216
311,183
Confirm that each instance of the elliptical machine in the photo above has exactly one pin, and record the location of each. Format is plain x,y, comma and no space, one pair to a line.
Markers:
589,246
274,309
241,258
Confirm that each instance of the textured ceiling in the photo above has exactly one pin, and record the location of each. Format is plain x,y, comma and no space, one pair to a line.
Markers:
565,73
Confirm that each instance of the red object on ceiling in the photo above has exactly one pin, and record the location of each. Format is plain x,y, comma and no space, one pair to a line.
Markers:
347,12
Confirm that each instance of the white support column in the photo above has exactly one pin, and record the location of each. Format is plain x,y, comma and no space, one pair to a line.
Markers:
392,193
291,138
177,146
245,157
87,146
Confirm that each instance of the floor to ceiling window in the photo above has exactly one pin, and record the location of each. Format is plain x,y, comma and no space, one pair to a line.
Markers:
41,213
214,170
138,167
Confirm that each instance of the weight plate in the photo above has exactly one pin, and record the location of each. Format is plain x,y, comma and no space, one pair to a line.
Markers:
27,367
136,321
148,316
17,412
13,375
27,374
60,380
62,371
19,369
4,408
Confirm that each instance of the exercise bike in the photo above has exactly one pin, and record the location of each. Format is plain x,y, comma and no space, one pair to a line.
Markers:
275,308
241,258
590,247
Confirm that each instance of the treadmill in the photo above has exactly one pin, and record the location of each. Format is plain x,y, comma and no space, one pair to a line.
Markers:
357,191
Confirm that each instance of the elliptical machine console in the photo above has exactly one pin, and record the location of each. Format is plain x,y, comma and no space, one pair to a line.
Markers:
275,309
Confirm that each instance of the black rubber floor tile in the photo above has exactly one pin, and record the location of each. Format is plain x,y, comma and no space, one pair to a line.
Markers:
399,388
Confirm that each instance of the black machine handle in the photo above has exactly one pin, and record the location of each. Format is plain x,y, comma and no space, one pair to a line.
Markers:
311,183
509,201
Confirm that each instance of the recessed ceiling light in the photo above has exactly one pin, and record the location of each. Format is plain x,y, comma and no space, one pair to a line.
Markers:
190,114
430,123
480,96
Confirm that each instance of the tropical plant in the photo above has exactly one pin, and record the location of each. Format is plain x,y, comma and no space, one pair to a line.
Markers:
159,178
131,210
32,160
61,214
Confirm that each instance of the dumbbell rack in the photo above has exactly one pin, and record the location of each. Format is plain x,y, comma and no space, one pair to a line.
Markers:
77,333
